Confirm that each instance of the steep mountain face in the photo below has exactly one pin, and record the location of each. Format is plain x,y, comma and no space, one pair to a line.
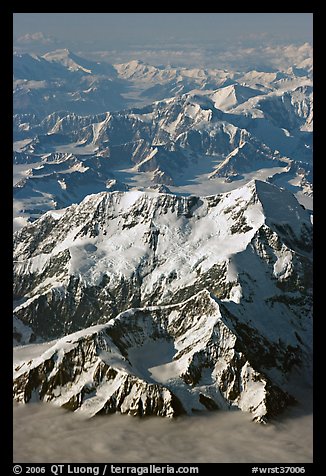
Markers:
281,119
245,158
229,97
154,361
240,265
291,110
139,287
136,247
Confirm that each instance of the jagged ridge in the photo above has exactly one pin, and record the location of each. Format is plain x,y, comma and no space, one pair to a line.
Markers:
120,250
154,361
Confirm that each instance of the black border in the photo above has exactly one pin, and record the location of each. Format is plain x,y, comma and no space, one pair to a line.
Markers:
6,247
6,235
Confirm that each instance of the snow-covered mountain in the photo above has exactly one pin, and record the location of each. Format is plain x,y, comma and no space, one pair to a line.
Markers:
198,131
61,179
164,361
245,254
73,62
228,97
183,142
162,264
61,80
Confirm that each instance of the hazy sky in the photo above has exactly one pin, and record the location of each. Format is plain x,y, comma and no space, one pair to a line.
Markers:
114,30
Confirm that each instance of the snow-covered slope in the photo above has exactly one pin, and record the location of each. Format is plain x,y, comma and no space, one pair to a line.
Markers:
60,80
161,303
231,96
163,125
250,248
154,361
176,142
74,63
58,180
245,158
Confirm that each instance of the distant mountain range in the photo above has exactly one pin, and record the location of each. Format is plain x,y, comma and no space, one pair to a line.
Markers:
62,80
218,128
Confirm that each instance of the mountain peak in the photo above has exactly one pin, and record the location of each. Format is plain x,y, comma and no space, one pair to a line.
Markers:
152,361
57,54
165,292
68,59
228,97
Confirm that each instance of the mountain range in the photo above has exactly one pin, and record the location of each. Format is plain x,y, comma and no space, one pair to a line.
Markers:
163,236
223,273
217,131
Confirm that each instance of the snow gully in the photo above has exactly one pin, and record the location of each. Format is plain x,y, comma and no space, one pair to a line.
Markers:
57,469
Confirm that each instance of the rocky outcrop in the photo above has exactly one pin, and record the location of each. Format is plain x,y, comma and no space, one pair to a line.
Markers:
244,158
161,361
176,141
120,250
239,263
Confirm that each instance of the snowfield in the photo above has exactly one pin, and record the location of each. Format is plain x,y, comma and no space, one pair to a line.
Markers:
163,234
219,270
197,131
